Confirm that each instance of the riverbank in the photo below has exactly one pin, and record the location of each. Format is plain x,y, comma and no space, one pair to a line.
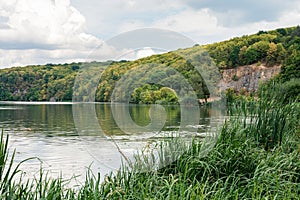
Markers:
256,156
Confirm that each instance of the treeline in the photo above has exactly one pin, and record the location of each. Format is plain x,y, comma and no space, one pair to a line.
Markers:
156,78
270,47
145,80
275,47
38,83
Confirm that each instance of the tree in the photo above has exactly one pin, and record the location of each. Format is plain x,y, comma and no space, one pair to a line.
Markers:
271,54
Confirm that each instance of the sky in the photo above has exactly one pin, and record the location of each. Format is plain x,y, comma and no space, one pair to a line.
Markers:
64,31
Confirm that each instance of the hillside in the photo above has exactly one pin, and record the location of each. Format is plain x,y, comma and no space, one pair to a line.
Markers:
247,78
280,47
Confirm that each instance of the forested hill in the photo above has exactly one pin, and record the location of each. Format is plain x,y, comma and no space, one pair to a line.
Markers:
55,82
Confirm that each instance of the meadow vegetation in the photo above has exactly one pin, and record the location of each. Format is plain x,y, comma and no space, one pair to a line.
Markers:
257,149
256,156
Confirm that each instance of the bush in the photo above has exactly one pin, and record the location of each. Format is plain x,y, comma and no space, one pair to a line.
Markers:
285,92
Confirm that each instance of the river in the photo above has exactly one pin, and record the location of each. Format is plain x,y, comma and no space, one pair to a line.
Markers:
65,148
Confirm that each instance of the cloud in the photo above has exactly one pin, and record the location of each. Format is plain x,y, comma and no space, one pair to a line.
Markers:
17,57
44,23
44,31
199,25
139,53
235,12
146,51
22,57
189,21
107,18
205,26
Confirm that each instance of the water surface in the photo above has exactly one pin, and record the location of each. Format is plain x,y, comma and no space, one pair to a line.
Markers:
47,131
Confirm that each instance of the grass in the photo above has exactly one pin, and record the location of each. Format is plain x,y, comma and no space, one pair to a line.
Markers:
7,172
256,156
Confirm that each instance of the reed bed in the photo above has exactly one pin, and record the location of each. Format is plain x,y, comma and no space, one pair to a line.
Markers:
256,156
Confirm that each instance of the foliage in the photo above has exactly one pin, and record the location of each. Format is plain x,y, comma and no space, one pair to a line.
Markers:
285,92
7,171
151,94
270,47
179,71
38,83
256,156
244,164
195,65
268,119
291,68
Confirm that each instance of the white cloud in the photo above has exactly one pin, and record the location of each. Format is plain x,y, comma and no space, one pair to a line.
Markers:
287,19
189,21
17,57
139,53
107,18
146,51
43,22
196,24
204,26
43,31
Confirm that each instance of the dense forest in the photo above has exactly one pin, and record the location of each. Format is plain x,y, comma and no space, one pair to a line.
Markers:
157,78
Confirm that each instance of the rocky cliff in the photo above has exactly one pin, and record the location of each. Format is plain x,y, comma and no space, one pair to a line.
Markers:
247,77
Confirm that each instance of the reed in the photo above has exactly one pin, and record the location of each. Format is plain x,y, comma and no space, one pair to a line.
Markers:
256,156
7,171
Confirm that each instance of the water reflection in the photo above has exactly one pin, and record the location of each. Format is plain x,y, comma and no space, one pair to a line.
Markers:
38,120
57,119
48,132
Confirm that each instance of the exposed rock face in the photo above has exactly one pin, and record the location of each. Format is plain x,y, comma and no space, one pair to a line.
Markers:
247,77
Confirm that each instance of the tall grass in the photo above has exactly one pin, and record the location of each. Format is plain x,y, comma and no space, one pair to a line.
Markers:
256,156
268,120
7,172
237,168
